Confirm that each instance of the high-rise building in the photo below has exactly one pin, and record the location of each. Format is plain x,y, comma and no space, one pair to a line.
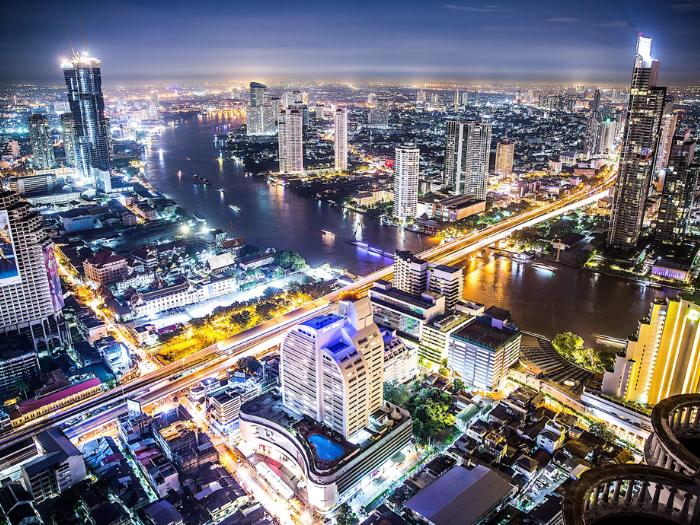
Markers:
667,132
93,143
290,139
262,113
379,114
644,110
455,101
340,139
31,300
482,351
505,151
610,129
467,150
447,281
421,97
332,368
595,127
41,141
69,137
406,172
677,194
410,273
663,358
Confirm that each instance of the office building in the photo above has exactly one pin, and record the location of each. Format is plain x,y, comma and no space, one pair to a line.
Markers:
662,359
60,465
410,273
68,136
290,140
379,114
340,139
435,336
644,111
258,94
105,267
332,368
19,365
41,141
482,351
447,281
505,151
610,130
594,128
677,194
31,299
467,150
400,360
92,137
406,173
667,132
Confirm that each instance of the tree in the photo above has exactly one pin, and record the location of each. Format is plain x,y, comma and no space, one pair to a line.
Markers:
567,343
344,515
396,393
242,318
602,431
457,385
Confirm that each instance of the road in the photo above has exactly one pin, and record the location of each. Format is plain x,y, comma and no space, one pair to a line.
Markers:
151,386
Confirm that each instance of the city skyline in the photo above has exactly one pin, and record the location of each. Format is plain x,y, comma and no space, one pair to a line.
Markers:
541,42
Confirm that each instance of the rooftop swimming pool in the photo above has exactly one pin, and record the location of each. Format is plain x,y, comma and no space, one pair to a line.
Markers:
326,449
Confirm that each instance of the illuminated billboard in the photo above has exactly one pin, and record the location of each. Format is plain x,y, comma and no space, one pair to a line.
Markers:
51,266
9,268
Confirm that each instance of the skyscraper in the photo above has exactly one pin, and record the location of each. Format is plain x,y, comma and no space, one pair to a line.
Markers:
406,171
31,300
644,110
332,368
68,135
663,358
290,139
505,151
667,132
340,139
677,194
595,127
261,113
92,145
610,129
41,141
467,149
379,114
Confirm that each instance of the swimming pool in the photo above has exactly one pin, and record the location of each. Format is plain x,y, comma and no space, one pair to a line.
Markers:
326,449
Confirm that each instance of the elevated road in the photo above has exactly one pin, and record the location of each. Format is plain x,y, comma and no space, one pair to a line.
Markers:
103,407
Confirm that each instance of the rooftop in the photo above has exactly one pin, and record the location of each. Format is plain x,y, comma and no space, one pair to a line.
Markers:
321,321
481,332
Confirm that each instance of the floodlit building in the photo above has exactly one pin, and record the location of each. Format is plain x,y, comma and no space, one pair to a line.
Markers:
482,351
41,141
435,338
105,267
667,133
332,368
340,139
467,150
290,139
505,151
662,359
261,113
400,360
406,174
447,281
93,152
641,135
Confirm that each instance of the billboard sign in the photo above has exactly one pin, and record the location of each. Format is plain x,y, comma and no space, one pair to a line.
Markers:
51,266
9,267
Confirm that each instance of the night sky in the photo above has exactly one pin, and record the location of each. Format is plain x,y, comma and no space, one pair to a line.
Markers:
537,41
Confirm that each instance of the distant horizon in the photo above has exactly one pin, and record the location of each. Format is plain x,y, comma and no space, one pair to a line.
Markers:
544,42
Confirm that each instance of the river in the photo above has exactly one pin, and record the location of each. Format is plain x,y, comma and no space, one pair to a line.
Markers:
542,301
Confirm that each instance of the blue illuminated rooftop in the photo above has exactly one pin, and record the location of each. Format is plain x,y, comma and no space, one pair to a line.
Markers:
321,321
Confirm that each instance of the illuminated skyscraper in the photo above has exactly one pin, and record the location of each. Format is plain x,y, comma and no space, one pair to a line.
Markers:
332,368
92,145
261,113
595,127
379,114
667,133
290,140
41,141
31,299
467,149
68,135
641,135
258,94
505,151
663,359
340,139
406,173
677,194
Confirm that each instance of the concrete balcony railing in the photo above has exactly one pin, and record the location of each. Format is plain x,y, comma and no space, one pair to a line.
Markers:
617,491
674,419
